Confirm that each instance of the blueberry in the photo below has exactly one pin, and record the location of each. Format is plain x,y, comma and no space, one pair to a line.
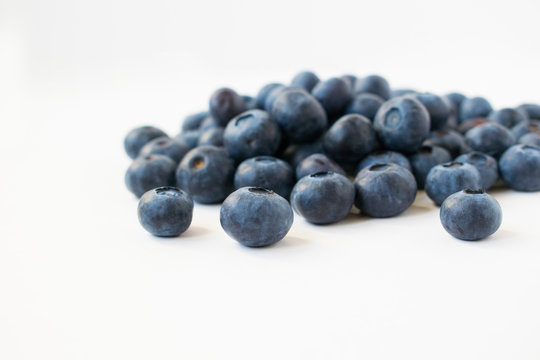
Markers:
471,123
374,84
206,173
300,116
250,134
532,138
402,92
266,172
471,215
451,140
349,139
165,211
425,159
507,117
212,136
139,137
455,99
439,109
193,121
225,104
190,138
208,123
317,163
294,154
476,107
164,145
520,167
402,124
351,81
306,80
323,197
384,190
334,94
149,172
264,92
490,138
531,110
445,179
389,157
250,101
273,95
485,164
256,217
365,104
526,127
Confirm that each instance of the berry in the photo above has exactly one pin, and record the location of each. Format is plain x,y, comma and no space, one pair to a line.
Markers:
439,109
333,94
266,172
472,108
490,138
349,139
485,164
445,179
507,117
306,80
373,84
138,137
149,172
164,145
365,104
425,159
520,167
388,157
225,104
193,121
317,163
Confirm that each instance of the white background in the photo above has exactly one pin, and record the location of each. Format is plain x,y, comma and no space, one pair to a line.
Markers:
80,279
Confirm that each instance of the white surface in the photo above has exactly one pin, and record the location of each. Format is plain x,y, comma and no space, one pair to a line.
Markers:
79,278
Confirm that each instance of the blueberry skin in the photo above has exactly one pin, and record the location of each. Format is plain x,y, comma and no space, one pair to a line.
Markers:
438,107
384,157
300,116
206,173
164,145
256,217
425,159
250,101
476,107
165,211
250,134
365,104
490,138
525,127
402,92
306,80
402,124
138,137
349,139
334,94
190,138
374,84
263,93
520,167
193,121
208,123
323,197
507,117
351,81
485,164
471,215
451,140
446,179
317,163
532,138
149,172
467,125
273,95
294,154
266,172
455,99
384,190
212,136
225,104
531,110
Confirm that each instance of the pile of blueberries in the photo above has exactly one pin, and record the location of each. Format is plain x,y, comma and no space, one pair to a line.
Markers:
322,147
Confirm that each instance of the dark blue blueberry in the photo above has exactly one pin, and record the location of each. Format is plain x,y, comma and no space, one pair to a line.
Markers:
531,110
212,136
365,104
273,95
266,172
225,104
264,92
300,116
438,107
256,217
149,172
165,211
334,94
507,117
323,197
490,138
451,140
402,124
294,154
138,137
485,164
351,81
173,148
455,99
193,121
190,138
206,173
446,179
472,108
425,159
306,80
208,123
520,167
317,163
471,123
532,138
374,84
384,157
471,215
349,139
250,101
384,190
526,127
402,92
251,134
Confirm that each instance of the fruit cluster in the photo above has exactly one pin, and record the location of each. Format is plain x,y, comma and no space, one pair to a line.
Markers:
322,147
